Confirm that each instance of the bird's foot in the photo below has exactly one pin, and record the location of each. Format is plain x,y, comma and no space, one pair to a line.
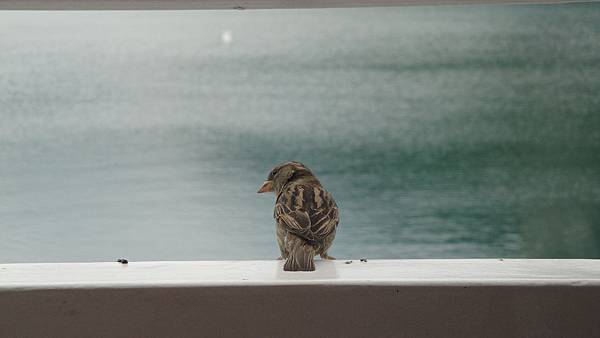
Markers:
326,256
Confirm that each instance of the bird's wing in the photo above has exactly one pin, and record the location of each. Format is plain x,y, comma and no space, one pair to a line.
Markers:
307,211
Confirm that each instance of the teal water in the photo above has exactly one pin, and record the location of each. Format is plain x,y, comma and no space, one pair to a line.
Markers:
466,131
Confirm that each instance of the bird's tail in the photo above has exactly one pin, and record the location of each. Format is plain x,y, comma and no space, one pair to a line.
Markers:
301,255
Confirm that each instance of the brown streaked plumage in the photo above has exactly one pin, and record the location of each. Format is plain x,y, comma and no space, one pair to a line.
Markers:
305,213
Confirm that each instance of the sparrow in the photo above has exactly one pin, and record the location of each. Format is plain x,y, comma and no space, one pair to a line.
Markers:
306,215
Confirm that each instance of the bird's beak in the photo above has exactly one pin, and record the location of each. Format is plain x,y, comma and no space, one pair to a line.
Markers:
266,187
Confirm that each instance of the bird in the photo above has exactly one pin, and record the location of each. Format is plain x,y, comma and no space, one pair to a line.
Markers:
306,215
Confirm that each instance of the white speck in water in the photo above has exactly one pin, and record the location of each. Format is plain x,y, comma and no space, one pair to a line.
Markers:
226,37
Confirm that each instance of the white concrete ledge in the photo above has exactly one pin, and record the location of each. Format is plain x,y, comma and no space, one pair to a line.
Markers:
377,298
270,273
238,4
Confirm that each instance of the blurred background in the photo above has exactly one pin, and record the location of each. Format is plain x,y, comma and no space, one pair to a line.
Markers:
443,132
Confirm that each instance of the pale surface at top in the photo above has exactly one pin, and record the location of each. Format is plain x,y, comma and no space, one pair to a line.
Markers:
238,4
373,272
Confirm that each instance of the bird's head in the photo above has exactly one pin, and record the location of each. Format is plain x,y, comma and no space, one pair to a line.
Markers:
285,173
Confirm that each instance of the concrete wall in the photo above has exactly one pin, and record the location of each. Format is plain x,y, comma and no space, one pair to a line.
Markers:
239,4
387,298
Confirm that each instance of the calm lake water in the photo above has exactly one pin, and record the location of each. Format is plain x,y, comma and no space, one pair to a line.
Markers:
466,131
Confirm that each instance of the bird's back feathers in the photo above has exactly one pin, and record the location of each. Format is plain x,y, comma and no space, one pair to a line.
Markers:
308,211
310,215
